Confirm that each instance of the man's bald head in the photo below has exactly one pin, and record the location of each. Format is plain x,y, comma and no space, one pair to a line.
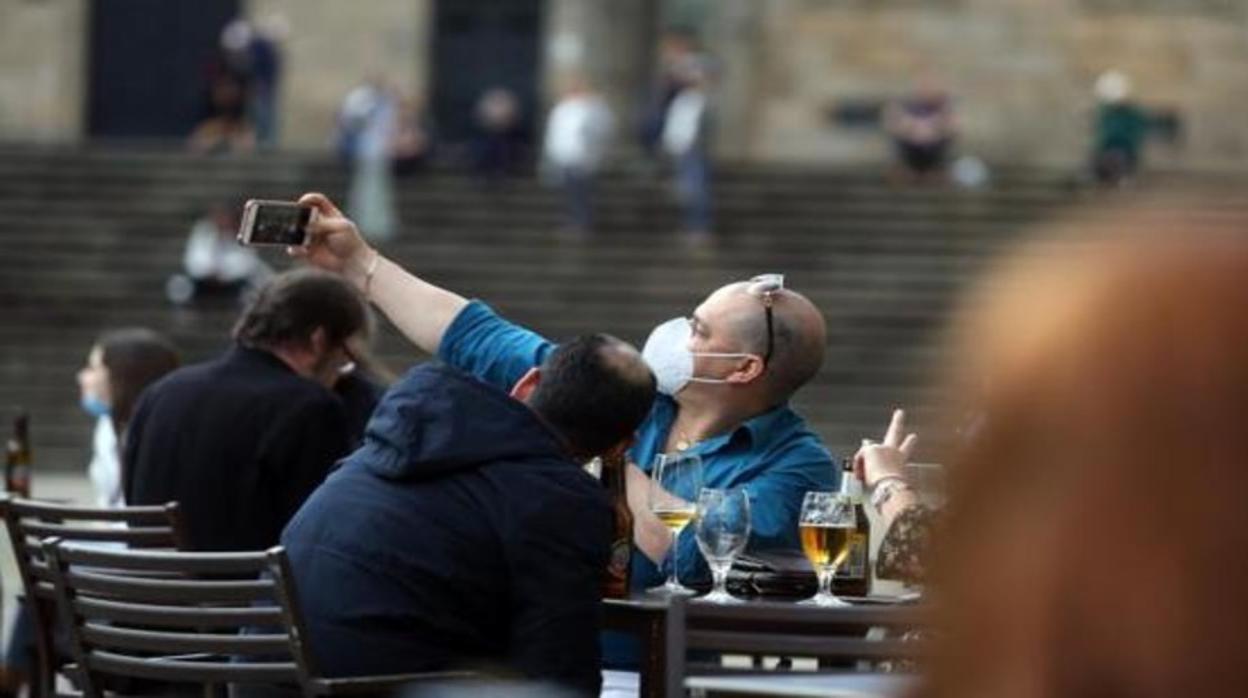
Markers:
799,333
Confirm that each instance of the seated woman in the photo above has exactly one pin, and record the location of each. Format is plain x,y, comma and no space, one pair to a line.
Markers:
119,366
923,128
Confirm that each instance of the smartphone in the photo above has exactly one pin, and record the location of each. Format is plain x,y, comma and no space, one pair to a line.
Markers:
275,223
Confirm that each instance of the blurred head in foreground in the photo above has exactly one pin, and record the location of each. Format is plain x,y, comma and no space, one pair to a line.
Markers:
1096,536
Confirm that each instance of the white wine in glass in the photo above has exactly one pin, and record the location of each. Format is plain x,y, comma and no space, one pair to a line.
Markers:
675,519
826,527
675,481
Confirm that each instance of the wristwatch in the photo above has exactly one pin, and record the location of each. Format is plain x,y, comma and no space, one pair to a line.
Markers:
884,489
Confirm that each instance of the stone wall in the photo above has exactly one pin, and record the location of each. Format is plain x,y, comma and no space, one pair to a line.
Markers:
42,68
333,45
1021,72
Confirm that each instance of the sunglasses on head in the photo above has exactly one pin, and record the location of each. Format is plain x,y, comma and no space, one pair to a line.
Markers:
765,287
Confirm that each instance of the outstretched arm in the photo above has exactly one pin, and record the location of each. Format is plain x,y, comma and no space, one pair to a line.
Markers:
420,310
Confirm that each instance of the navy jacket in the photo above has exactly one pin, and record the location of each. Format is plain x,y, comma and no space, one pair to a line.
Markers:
458,535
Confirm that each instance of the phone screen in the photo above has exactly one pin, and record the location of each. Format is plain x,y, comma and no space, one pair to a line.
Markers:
280,224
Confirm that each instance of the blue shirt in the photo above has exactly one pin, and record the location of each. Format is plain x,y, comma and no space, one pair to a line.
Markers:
774,456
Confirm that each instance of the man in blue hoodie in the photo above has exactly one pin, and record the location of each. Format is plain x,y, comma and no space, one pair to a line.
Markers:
464,533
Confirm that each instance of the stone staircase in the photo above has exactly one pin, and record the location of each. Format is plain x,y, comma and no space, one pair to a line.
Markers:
89,236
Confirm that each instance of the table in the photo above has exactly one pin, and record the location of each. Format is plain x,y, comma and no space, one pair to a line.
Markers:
645,617
860,685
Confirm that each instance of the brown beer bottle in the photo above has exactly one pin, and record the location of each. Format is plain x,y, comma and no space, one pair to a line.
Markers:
17,458
853,577
616,578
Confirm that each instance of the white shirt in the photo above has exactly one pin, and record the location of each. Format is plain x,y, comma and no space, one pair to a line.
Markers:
105,468
683,127
577,132
209,255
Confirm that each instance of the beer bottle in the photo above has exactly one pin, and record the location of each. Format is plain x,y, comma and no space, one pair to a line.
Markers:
17,458
616,578
853,577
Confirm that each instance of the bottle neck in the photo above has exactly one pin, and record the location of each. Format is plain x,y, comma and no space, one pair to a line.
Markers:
851,486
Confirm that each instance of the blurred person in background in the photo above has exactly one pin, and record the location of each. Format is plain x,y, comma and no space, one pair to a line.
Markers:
499,143
677,48
1094,536
367,129
923,128
214,263
241,440
414,138
265,49
578,132
226,128
686,140
1120,130
120,364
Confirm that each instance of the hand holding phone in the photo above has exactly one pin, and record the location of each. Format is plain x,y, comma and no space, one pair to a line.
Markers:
283,223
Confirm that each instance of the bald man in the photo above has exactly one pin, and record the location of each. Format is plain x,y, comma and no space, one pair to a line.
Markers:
725,375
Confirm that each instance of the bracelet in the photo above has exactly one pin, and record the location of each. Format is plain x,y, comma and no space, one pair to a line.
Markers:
885,488
368,273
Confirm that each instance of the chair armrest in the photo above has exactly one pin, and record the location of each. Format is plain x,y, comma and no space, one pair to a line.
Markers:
367,684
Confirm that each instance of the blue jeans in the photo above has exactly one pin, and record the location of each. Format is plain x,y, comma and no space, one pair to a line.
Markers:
693,183
578,195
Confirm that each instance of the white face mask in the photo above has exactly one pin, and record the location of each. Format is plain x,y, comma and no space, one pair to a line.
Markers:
667,353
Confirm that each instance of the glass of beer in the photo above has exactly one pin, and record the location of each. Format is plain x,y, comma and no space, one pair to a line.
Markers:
722,529
675,481
826,525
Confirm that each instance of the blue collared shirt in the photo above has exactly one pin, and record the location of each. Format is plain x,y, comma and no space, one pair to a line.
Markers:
774,455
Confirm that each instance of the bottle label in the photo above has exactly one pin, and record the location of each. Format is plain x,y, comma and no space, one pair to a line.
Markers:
855,565
615,581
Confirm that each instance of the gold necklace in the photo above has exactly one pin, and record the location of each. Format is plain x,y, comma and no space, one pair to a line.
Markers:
683,442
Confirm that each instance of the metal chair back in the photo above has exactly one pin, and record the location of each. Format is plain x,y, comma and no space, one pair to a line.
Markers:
31,521
834,636
191,618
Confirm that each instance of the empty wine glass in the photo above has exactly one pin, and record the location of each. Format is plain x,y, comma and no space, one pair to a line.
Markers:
826,525
675,481
722,530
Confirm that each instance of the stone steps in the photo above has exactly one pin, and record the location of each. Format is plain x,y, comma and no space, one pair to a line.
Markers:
90,236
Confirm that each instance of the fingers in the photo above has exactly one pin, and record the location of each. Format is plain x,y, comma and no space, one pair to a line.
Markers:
907,446
860,461
320,202
896,428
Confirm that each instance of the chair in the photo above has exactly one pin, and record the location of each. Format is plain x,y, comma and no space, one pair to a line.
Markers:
30,521
192,618
769,628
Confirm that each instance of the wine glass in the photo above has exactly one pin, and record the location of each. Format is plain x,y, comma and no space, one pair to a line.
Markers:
675,480
722,529
827,526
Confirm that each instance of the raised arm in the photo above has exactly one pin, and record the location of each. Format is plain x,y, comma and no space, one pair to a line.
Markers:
420,310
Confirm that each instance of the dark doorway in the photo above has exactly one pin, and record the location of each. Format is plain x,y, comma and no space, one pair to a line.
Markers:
149,62
478,45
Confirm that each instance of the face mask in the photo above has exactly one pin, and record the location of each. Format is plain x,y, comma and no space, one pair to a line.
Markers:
94,406
667,353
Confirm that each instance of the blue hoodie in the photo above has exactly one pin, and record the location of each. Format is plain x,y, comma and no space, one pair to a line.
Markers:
459,535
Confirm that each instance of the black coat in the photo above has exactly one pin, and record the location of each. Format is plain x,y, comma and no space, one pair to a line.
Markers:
239,442
460,534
